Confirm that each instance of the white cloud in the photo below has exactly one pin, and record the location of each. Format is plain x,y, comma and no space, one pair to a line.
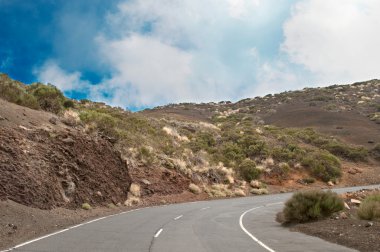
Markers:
156,52
239,8
275,77
192,51
336,40
145,71
50,72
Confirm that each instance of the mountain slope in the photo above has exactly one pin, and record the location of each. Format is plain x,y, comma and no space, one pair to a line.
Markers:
278,142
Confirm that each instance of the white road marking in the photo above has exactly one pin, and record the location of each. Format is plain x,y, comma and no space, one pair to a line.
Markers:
158,233
248,233
178,217
66,229
205,208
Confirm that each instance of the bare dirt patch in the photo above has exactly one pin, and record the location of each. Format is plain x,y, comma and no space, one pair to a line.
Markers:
349,126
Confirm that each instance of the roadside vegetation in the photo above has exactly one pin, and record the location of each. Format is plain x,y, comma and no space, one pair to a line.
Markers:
370,208
311,205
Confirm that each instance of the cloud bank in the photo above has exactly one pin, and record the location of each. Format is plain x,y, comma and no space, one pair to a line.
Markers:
157,52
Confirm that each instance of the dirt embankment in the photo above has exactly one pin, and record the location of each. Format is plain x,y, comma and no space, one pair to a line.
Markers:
49,169
46,164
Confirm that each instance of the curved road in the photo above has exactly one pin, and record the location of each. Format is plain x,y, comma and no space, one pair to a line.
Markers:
240,224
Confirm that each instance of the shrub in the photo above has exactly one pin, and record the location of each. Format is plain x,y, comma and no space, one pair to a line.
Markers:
287,153
202,141
103,122
345,151
259,191
68,104
248,170
86,206
194,188
312,205
132,201
308,180
370,207
15,92
48,96
146,155
323,165
239,193
252,146
135,190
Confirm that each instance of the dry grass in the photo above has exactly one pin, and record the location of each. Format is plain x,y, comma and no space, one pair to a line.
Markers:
370,207
259,191
86,206
194,188
132,201
135,190
239,193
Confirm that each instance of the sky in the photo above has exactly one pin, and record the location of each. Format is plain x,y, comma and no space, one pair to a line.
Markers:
143,53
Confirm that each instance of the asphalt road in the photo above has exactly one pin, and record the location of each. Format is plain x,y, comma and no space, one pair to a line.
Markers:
240,224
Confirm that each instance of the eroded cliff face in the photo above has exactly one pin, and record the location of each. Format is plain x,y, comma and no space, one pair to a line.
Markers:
46,165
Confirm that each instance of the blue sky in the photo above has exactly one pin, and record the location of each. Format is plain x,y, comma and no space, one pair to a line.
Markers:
144,53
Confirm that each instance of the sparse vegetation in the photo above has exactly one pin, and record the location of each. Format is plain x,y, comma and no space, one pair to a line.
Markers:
194,188
370,207
323,165
332,145
259,191
49,97
68,103
308,180
135,190
312,205
86,206
248,170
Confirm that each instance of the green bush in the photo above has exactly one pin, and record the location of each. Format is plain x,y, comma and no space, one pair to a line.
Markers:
48,96
288,153
15,92
86,206
253,146
323,165
312,205
345,151
68,104
248,170
370,207
308,180
202,141
104,123
231,154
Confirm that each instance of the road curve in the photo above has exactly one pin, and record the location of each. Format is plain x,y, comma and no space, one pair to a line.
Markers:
240,224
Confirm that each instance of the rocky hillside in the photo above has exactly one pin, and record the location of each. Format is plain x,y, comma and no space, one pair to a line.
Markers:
278,142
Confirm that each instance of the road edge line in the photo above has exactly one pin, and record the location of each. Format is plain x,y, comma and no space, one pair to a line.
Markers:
67,229
251,235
